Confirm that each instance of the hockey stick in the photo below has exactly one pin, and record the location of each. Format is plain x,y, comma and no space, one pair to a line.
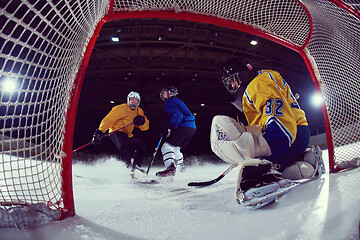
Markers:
154,154
106,135
207,183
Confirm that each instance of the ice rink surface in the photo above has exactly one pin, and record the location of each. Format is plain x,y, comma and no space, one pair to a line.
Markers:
110,205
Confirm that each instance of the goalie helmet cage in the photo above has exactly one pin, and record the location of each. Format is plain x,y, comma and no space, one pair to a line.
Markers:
45,47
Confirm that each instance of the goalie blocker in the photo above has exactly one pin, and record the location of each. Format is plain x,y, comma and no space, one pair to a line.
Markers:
243,145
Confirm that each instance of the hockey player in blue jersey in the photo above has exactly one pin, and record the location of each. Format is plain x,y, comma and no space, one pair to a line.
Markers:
177,132
277,134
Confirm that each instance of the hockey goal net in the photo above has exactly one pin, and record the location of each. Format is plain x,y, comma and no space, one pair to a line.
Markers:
45,47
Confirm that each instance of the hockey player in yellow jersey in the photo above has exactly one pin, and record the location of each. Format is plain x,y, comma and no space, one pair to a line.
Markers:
277,132
128,145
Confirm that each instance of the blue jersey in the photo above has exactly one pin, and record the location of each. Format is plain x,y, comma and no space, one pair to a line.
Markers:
179,113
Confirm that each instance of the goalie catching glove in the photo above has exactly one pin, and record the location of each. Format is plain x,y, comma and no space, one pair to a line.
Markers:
234,143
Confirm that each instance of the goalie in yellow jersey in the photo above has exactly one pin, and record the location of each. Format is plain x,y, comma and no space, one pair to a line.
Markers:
277,134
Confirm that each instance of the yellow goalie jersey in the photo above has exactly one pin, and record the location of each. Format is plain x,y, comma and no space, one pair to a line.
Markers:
269,103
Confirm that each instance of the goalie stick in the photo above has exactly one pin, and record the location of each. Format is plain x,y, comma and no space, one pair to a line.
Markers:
207,183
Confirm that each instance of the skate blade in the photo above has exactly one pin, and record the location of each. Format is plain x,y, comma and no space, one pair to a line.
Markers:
261,201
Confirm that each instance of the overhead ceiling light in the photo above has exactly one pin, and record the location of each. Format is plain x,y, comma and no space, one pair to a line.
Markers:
112,102
161,38
202,105
115,39
253,42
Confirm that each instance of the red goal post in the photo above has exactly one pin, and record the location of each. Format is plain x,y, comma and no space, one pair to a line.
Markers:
45,47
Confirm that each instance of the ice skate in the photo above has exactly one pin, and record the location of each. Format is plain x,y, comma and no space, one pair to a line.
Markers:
261,196
170,171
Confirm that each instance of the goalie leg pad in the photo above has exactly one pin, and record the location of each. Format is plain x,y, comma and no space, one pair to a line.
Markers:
311,166
251,174
299,170
313,155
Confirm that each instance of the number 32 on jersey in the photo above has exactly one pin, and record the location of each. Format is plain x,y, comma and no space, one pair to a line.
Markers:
274,107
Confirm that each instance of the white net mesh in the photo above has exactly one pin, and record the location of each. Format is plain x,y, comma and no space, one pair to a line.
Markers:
285,19
336,50
41,47
42,44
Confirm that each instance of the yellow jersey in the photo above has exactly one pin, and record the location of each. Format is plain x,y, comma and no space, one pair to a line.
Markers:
120,116
268,101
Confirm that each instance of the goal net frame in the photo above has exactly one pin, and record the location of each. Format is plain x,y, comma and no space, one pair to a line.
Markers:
41,40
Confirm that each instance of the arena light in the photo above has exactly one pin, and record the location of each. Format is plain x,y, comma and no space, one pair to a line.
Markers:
115,39
253,42
317,100
9,84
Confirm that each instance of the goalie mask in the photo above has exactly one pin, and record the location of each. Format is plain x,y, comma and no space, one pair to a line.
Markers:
133,100
168,92
235,73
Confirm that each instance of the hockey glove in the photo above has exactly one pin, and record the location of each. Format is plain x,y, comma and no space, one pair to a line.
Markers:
139,120
96,140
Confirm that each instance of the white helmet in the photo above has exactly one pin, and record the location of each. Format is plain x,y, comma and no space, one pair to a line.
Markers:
133,95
